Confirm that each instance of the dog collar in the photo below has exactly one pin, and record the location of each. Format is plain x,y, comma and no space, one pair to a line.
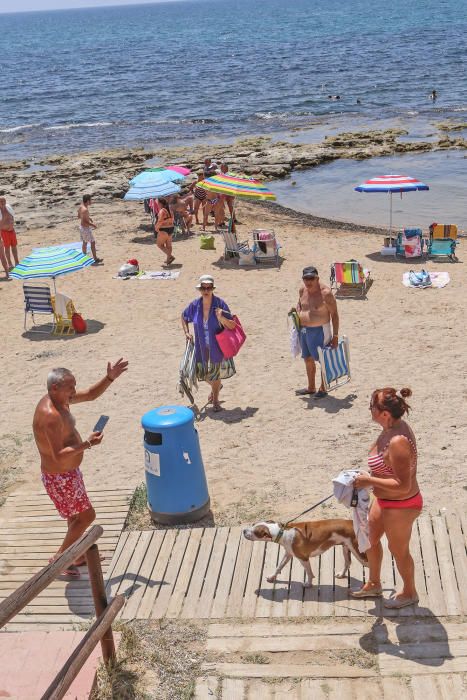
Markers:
279,535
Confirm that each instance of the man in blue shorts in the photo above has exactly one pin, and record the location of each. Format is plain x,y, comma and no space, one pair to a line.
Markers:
319,325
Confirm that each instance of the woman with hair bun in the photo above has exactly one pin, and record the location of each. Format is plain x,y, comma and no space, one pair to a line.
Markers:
392,462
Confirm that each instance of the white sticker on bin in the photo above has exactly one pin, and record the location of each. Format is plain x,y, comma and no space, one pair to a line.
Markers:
152,463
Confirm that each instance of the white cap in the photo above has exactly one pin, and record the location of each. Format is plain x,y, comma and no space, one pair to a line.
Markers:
205,279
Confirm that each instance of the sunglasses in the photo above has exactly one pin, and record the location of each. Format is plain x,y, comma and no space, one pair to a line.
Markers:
206,289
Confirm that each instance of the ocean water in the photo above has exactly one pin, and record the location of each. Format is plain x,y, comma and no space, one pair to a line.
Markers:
216,69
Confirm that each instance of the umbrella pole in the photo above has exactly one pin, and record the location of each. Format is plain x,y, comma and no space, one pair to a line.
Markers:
390,215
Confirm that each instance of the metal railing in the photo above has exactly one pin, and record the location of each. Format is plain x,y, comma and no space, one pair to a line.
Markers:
106,612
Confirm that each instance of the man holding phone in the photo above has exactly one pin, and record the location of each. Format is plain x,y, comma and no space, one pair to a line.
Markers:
61,449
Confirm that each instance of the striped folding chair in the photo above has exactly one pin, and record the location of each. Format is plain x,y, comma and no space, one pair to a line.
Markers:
442,242
38,300
335,364
232,245
349,278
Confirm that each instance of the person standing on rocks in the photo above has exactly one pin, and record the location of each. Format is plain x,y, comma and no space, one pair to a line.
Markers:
86,226
8,237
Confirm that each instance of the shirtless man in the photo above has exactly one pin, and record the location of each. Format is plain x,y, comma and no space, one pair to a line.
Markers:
8,238
61,449
316,310
86,226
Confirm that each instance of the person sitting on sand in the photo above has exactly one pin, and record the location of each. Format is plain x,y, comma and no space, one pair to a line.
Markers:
392,462
164,228
209,315
86,226
181,213
8,237
317,309
61,450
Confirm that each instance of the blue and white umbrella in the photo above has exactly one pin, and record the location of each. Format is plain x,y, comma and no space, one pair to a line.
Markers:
391,184
147,191
159,177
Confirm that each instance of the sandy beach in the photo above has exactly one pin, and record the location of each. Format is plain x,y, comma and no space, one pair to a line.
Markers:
269,453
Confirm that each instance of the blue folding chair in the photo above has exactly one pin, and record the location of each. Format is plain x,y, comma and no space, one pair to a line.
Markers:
335,364
38,300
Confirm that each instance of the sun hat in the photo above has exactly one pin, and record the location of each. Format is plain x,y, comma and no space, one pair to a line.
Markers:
309,272
206,279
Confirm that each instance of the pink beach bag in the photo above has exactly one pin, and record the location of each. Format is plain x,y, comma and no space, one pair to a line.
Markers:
230,341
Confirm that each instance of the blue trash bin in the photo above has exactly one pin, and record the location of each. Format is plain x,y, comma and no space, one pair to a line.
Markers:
175,478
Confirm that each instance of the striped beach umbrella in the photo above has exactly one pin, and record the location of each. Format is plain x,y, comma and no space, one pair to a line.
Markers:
391,184
50,262
235,186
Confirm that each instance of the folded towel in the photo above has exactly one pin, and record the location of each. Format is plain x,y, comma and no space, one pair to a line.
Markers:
412,232
438,280
61,301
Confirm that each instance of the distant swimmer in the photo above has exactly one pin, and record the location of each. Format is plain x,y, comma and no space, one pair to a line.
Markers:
433,95
334,97
359,102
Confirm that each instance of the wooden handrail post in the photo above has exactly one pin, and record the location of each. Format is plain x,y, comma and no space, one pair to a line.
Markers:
100,599
78,658
23,595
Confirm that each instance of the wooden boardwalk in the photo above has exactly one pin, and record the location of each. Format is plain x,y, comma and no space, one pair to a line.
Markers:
216,573
30,532
407,659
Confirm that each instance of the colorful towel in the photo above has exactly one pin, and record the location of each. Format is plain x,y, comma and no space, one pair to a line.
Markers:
438,280
443,231
349,273
412,232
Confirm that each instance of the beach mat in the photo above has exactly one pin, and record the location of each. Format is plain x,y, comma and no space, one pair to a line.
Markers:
438,280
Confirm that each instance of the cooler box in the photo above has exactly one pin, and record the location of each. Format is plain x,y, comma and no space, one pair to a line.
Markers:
175,478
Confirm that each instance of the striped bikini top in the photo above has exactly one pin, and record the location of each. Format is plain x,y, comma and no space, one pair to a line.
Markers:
378,466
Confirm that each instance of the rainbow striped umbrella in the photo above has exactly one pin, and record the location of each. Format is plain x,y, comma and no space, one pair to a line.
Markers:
50,262
235,186
391,184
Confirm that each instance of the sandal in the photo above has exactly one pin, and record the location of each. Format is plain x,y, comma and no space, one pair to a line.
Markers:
321,394
373,592
217,407
304,392
398,603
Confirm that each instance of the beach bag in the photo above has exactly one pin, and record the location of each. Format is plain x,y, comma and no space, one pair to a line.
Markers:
206,242
78,323
230,341
246,257
420,279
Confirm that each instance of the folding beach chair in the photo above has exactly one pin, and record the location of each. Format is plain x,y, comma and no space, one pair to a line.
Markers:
442,242
63,322
38,300
335,364
349,278
232,245
265,246
409,243
187,379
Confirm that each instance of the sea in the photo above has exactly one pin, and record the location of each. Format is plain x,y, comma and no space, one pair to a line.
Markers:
215,70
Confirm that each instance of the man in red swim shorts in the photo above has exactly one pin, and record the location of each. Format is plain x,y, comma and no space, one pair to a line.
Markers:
61,449
8,237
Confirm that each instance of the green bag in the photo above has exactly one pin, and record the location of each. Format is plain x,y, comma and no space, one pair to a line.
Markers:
207,242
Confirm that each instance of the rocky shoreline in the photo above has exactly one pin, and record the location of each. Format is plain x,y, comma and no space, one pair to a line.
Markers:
48,191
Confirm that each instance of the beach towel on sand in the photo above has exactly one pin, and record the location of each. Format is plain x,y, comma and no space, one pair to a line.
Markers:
152,275
438,280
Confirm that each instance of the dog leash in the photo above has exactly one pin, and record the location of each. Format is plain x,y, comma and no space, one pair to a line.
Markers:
308,510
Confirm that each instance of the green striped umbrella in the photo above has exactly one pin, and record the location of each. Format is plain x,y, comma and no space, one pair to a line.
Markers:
50,262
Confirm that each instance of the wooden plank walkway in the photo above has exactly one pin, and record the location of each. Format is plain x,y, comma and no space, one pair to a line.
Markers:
215,573
407,659
30,532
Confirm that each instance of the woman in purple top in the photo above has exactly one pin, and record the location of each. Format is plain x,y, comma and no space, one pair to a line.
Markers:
209,316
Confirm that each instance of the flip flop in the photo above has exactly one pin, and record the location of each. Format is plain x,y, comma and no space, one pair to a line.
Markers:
217,407
398,603
304,392
320,394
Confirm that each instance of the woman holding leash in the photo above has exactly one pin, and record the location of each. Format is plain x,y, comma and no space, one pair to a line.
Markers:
209,315
392,462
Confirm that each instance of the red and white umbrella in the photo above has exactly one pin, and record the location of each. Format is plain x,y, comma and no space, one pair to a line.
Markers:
391,184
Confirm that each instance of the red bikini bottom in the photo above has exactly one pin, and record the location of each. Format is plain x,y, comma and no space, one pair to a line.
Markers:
415,502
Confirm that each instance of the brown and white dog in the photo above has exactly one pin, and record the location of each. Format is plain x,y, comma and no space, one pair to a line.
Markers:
308,539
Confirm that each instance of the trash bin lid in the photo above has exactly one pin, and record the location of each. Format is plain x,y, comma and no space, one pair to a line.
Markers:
166,417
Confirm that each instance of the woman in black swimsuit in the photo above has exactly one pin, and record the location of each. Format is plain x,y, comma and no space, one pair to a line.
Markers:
164,229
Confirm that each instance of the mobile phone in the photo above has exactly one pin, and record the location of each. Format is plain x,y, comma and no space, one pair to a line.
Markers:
101,423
